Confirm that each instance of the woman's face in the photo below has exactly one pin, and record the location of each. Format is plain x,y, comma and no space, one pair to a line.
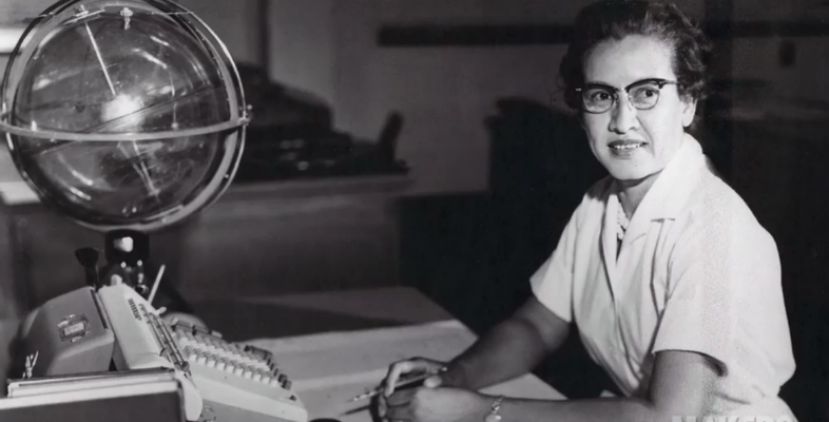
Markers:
633,144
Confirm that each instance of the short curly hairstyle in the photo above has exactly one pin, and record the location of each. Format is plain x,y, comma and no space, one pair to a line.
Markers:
616,19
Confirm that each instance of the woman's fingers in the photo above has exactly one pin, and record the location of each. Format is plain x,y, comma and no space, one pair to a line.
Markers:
395,371
380,403
434,381
393,405
398,406
414,365
400,398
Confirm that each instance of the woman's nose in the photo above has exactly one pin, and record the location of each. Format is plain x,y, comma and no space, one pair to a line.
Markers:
623,117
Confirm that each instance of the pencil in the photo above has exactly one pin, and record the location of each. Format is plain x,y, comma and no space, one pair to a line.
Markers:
408,382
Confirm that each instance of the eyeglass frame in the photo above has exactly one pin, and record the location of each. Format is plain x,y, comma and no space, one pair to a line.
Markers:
660,83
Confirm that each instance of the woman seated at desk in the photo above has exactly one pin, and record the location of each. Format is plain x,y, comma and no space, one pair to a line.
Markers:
672,283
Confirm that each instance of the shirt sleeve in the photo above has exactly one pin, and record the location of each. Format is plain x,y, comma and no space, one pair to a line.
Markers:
717,270
552,283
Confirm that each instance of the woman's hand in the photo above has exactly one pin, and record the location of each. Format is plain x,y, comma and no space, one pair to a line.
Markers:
398,371
436,404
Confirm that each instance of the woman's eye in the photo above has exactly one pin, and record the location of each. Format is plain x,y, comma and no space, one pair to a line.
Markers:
645,92
600,96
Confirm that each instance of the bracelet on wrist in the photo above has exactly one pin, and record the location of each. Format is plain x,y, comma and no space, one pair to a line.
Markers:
494,414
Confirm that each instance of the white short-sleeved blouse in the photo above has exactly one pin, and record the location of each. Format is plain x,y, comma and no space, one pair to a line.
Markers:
695,272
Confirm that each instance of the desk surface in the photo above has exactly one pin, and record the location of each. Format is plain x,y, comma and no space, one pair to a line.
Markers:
328,369
243,317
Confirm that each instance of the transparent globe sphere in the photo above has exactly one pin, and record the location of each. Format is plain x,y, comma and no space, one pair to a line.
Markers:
123,114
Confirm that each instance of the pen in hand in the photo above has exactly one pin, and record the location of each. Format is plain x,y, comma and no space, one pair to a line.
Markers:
408,382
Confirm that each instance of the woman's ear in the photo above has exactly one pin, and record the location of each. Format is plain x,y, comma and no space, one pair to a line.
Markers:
689,110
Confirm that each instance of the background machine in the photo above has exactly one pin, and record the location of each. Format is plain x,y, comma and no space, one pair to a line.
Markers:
128,116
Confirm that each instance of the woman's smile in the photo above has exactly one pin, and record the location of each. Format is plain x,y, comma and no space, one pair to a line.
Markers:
622,148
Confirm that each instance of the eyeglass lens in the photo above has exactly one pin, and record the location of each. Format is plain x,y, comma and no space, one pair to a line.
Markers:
642,95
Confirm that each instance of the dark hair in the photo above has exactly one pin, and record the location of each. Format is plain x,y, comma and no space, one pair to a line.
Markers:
618,18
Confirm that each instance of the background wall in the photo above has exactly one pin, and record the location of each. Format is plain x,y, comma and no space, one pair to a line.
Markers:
237,23
445,94
329,49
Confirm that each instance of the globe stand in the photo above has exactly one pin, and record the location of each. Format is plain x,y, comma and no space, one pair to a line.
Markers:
126,252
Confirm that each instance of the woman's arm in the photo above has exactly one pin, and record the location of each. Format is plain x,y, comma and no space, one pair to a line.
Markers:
511,348
681,386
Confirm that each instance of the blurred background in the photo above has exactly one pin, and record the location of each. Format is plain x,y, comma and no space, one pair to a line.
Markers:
427,144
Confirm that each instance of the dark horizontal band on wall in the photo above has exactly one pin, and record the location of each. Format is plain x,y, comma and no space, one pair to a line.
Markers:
429,35
760,29
445,35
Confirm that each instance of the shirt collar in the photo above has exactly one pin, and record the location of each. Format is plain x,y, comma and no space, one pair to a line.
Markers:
670,192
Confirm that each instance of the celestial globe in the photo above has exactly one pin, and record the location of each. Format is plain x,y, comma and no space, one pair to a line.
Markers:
123,114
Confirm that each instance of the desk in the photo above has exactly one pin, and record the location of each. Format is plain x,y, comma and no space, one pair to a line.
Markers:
328,369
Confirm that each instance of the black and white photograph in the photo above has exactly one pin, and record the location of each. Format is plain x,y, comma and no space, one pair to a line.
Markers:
414,210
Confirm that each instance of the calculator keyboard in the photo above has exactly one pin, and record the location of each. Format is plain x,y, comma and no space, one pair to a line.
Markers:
237,381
